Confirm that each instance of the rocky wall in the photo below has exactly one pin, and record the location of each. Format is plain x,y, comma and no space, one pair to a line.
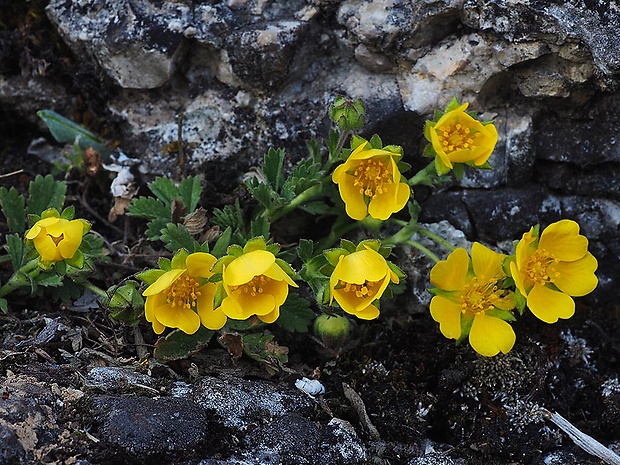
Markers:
248,74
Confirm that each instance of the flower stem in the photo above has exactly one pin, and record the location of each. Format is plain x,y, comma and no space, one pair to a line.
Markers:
424,250
427,176
19,278
97,290
339,229
440,240
302,198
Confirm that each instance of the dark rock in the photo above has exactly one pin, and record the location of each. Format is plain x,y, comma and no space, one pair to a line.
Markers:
340,444
143,428
244,404
11,450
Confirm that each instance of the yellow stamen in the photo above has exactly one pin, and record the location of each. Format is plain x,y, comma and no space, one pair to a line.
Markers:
371,175
57,239
183,293
480,297
253,287
455,136
540,268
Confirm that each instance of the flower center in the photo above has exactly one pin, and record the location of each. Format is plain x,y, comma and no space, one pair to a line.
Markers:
360,290
370,177
540,267
57,239
253,287
183,292
479,297
455,136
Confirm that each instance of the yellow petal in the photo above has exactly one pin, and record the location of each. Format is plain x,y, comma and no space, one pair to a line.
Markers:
508,302
242,269
367,313
490,143
549,305
34,231
270,317
55,227
448,315
278,274
72,238
199,264
210,319
361,266
47,248
439,149
577,278
525,248
259,304
163,282
178,317
231,308
354,200
450,274
563,241
149,311
347,300
489,335
487,263
518,279
392,200
49,222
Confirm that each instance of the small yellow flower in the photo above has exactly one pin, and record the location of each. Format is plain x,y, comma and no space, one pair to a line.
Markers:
459,138
56,238
183,298
471,296
370,183
551,270
255,284
359,280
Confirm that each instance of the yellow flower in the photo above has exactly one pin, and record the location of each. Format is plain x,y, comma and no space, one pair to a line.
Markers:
459,138
359,280
183,298
469,301
370,183
255,284
551,270
56,238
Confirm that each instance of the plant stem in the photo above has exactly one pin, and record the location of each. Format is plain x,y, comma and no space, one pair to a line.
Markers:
426,176
18,279
338,230
424,250
97,290
302,198
440,240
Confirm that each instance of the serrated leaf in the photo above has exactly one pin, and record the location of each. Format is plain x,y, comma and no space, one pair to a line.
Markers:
68,213
164,263
176,237
165,190
219,249
44,193
66,131
376,142
14,209
272,168
190,190
295,314
178,345
154,227
260,227
333,255
49,280
305,250
229,216
265,194
16,250
148,207
262,348
315,208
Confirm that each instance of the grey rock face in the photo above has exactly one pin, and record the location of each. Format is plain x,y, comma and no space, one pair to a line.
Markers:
242,403
152,428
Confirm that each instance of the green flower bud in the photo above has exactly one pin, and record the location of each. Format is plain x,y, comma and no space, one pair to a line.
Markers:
349,115
332,331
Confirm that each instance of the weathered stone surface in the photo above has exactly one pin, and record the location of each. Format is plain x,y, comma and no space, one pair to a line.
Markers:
594,24
241,403
142,428
137,43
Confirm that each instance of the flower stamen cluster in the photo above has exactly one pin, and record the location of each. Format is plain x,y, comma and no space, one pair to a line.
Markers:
184,293
480,297
370,176
454,136
540,267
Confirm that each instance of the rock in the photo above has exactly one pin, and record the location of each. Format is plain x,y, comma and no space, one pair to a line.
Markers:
137,43
244,404
109,379
143,428
340,444
555,23
11,450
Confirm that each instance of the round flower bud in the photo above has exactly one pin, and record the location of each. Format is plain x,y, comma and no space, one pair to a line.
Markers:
349,115
332,331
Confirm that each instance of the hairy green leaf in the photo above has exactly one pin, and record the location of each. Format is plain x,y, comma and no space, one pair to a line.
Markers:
16,250
176,237
14,208
219,249
45,192
272,168
165,190
148,207
295,314
190,190
305,250
178,345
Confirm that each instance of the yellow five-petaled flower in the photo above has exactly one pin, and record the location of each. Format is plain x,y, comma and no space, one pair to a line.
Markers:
358,282
370,183
183,297
551,270
56,238
459,138
469,298
255,285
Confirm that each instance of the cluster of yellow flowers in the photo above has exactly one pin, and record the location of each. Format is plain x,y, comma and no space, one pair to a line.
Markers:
474,296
